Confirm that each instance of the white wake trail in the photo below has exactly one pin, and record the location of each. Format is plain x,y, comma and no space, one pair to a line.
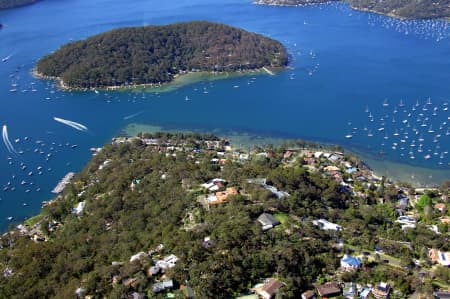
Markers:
75,125
6,141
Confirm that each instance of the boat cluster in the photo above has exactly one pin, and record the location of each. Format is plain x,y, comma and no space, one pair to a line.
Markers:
436,30
30,160
410,131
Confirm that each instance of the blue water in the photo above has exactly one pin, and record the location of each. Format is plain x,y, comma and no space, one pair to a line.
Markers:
342,61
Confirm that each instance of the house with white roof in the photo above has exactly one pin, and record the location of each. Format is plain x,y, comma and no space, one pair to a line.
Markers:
79,209
326,225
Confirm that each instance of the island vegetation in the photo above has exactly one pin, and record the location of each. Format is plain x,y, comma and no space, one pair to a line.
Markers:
157,54
291,2
5,4
169,215
421,9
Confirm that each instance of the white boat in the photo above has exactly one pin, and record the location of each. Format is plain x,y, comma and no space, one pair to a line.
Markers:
385,103
348,136
187,98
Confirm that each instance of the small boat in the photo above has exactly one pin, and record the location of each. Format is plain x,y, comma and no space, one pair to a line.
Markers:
10,218
385,103
187,98
348,136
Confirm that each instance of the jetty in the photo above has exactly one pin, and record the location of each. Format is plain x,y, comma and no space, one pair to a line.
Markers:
62,184
268,71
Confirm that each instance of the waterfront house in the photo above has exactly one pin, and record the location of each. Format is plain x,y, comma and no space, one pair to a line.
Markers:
350,263
153,270
163,285
329,290
381,290
365,293
349,291
440,207
138,256
441,295
168,262
136,295
445,219
269,289
442,258
79,209
223,195
267,221
287,154
326,225
309,295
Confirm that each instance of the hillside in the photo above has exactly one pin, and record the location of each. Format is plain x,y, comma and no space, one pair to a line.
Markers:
290,2
170,214
5,4
420,9
156,54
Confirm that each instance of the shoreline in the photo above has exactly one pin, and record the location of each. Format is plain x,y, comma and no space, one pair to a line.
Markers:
179,80
362,9
416,175
243,141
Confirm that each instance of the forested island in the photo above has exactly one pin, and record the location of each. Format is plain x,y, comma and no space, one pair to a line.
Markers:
421,9
157,54
5,4
169,215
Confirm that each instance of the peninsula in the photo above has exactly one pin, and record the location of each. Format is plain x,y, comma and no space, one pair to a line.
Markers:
291,2
5,4
169,215
423,9
158,54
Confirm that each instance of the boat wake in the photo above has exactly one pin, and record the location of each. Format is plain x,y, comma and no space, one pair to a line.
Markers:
6,141
75,125
132,115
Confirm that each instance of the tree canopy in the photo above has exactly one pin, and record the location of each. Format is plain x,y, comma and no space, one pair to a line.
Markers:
156,54
420,9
